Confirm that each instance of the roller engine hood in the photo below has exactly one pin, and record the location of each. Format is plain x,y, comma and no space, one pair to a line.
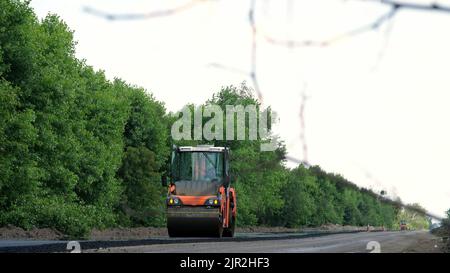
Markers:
197,188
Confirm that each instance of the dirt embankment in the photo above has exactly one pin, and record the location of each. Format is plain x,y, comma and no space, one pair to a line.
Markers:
148,232
444,234
138,233
426,243
10,232
127,233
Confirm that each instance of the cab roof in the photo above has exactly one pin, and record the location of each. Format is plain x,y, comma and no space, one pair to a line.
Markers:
201,148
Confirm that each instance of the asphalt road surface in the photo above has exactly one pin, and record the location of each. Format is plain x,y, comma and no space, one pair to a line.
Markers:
394,241
335,243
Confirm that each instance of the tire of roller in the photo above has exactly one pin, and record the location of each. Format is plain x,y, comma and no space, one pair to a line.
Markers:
194,227
229,232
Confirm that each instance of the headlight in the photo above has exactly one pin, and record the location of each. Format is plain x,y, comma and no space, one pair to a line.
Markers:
173,201
215,202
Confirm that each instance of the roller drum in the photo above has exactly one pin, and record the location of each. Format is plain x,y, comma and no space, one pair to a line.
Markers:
194,222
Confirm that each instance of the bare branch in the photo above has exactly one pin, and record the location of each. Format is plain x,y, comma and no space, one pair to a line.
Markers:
357,31
253,75
297,161
303,126
253,55
384,46
140,16
376,24
414,6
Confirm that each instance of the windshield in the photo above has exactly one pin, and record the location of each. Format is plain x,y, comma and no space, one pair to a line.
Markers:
198,166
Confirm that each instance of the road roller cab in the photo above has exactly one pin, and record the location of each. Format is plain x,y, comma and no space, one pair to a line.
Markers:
403,225
200,200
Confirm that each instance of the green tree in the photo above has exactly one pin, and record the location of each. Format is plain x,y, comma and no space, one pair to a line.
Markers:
298,193
146,143
142,202
19,177
65,129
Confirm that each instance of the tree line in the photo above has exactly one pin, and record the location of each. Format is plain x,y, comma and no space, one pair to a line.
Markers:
79,151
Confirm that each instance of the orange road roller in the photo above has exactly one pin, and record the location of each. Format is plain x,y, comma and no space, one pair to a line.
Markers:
200,200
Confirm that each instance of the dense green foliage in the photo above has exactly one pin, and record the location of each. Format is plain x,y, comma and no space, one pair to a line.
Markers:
76,149
79,151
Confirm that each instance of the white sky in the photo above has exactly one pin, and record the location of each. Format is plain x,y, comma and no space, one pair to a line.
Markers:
385,117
